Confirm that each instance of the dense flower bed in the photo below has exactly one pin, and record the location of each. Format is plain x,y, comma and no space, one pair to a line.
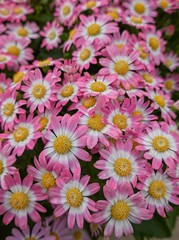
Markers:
88,105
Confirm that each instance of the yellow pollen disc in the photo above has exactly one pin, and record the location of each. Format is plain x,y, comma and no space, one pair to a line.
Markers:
120,211
120,46
8,109
85,54
137,20
44,63
1,90
96,123
139,8
137,113
90,4
17,10
13,50
48,180
67,91
77,235
71,34
19,200
143,54
163,4
160,144
74,197
18,76
66,10
22,32
43,121
157,189
123,167
154,43
62,144
121,67
94,29
168,63
113,14
4,11
52,35
98,87
2,58
89,102
169,85
31,238
147,78
54,234
120,121
160,100
1,167
39,91
20,134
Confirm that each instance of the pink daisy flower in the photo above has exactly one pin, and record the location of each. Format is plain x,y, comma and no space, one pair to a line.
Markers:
171,61
6,59
68,43
4,84
121,40
18,78
19,12
116,13
167,5
139,22
171,83
20,200
93,5
151,80
73,197
5,12
46,62
120,208
159,144
51,32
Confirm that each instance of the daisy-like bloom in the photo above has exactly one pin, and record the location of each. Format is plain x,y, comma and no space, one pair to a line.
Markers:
18,78
92,5
171,61
19,12
4,83
66,141
51,32
5,59
5,12
155,44
73,197
120,163
84,102
38,232
116,13
159,144
120,208
171,83
122,63
45,173
9,108
139,22
68,43
151,80
99,28
79,234
163,102
46,62
28,30
159,189
121,40
86,54
24,135
6,162
95,229
39,91
167,5
20,200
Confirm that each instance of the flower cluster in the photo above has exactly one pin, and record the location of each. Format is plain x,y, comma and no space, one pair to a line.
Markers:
88,133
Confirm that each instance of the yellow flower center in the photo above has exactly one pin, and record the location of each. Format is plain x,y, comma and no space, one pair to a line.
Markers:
94,29
137,20
1,90
20,134
120,211
52,35
160,144
163,4
89,102
66,10
90,4
19,200
44,63
22,32
18,77
154,43
123,167
169,84
67,91
13,50
39,91
147,78
143,54
121,67
71,34
4,11
139,8
137,113
1,167
74,197
31,238
157,189
96,122
85,53
8,109
43,121
120,46
17,10
62,144
120,121
113,14
48,180
77,235
2,58
98,87
54,234
168,63
160,100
